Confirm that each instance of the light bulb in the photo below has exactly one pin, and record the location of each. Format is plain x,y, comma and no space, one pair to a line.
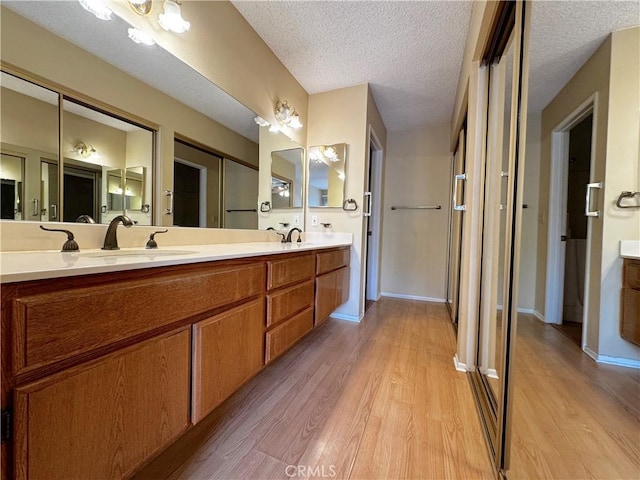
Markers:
97,7
172,19
140,37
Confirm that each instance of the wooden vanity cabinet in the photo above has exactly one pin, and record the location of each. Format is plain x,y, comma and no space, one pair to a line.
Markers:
630,309
290,299
227,351
104,418
332,282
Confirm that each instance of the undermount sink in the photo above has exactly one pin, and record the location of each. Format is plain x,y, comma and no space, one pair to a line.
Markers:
135,253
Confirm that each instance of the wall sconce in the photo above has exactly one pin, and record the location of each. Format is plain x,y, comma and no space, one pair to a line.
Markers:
85,150
141,7
171,19
287,115
97,7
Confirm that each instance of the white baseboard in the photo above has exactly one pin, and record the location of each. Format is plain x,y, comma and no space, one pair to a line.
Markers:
617,361
344,316
412,297
538,315
461,367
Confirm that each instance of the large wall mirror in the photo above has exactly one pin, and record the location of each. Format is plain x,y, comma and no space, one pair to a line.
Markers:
226,187
97,148
327,175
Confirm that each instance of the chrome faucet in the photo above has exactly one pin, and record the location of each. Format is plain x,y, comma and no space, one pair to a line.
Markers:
110,239
288,240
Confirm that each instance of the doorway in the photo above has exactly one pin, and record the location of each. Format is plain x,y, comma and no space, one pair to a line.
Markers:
579,169
568,242
190,187
372,220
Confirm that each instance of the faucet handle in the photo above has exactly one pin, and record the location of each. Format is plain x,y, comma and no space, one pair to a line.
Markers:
152,240
70,245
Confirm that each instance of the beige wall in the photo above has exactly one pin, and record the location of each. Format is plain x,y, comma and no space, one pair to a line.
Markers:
621,174
38,51
350,127
528,242
414,252
592,78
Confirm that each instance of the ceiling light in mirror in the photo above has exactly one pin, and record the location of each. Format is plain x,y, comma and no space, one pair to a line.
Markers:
97,7
140,37
171,19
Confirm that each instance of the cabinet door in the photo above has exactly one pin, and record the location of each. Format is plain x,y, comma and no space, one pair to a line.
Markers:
228,349
332,290
105,418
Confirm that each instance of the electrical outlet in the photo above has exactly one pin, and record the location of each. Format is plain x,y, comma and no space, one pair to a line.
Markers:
314,220
296,219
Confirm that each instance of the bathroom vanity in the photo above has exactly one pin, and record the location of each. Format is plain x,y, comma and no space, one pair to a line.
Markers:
109,359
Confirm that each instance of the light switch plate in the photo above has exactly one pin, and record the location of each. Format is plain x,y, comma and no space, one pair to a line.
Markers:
314,220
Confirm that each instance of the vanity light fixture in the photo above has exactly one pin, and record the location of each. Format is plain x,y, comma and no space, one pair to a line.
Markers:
85,150
97,7
141,7
286,114
140,37
261,121
171,19
323,154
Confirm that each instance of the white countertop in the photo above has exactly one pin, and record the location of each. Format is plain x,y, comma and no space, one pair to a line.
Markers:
38,265
630,249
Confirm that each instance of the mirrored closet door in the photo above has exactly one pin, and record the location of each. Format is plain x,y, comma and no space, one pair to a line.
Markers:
505,69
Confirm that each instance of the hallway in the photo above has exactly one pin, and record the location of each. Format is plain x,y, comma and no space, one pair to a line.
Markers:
381,399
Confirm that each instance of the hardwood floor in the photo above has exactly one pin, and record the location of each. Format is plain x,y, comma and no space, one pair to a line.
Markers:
573,418
379,399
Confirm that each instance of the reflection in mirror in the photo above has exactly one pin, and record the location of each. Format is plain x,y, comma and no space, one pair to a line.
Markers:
29,138
93,144
196,186
327,175
286,178
240,195
11,196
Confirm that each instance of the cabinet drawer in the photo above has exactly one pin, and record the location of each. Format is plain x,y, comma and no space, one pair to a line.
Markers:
286,334
631,273
630,324
328,261
290,270
52,326
285,303
104,419
228,349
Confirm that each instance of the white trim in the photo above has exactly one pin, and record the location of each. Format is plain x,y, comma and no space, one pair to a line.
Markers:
344,316
621,362
412,297
459,366
538,315
607,360
372,262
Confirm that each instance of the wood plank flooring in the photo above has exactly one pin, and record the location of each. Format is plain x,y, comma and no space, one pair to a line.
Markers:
573,418
379,399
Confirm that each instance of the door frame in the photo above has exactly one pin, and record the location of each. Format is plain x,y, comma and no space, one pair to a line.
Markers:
372,257
558,187
202,218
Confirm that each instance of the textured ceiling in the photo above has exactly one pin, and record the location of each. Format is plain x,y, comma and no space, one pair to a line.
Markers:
409,52
108,40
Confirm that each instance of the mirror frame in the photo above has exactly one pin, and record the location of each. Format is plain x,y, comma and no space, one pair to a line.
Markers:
344,182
